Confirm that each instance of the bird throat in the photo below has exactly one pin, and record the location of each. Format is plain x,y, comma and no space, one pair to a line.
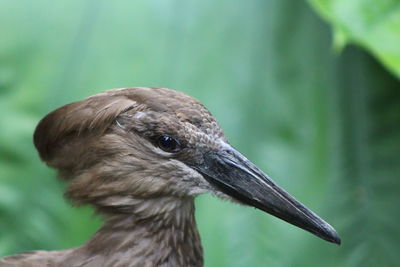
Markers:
158,232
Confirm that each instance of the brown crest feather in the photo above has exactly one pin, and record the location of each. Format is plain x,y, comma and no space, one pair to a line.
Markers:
91,116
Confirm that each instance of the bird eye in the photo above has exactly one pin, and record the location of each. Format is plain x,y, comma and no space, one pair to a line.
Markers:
168,144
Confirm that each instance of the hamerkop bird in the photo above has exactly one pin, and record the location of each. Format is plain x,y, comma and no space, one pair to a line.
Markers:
140,156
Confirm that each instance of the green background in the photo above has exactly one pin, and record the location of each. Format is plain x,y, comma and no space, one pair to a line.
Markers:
323,125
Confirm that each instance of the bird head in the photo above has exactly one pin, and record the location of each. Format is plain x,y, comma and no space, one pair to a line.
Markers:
125,145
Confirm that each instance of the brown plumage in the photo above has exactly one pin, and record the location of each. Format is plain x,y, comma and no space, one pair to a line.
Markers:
139,156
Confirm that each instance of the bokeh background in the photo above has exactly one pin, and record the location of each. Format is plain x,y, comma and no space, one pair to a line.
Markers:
309,91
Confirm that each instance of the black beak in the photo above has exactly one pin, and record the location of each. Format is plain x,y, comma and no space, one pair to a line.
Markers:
230,172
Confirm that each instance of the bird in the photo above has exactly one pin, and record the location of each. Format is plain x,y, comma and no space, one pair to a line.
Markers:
139,156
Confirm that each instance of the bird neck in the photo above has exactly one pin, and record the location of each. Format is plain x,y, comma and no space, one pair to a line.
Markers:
157,232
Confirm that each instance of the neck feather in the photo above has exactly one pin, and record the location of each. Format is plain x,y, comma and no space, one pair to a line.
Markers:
157,232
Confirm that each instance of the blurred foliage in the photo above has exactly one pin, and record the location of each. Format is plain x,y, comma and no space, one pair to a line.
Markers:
325,127
374,25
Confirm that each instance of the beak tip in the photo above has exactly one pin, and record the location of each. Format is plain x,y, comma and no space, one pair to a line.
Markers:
325,231
333,237
337,240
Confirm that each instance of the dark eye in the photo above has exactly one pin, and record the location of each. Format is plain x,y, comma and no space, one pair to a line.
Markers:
168,144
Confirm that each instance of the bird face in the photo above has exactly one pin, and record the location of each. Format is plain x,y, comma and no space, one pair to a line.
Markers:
142,143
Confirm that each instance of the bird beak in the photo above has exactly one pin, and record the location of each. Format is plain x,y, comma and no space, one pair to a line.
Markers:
230,172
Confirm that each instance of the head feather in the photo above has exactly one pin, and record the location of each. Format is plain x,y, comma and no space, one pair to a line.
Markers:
91,116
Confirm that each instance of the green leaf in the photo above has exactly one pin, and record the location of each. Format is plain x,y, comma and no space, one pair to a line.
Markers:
374,25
